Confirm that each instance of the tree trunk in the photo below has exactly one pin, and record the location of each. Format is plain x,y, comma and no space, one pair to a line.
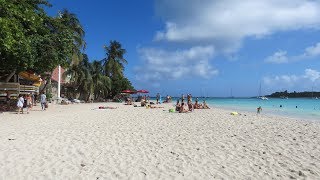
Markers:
10,75
44,87
88,97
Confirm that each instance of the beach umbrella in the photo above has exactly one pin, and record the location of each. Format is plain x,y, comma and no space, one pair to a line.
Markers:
129,91
143,91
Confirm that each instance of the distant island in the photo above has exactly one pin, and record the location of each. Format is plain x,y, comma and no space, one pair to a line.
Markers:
294,94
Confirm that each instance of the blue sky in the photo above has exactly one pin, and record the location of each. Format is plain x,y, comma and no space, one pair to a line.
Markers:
207,48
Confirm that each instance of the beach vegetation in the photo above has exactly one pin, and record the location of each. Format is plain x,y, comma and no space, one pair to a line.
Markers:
294,94
114,65
33,41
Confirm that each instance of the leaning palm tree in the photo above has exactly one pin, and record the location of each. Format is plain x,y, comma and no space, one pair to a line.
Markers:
101,83
114,62
71,21
80,78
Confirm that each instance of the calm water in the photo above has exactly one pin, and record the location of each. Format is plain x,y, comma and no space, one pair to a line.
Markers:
293,107
305,108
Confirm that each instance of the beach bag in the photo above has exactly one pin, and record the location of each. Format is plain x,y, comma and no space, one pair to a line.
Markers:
46,105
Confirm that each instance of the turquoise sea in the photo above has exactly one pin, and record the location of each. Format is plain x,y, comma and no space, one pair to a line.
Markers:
303,108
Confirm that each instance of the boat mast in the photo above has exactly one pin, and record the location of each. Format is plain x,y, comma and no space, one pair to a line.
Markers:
260,90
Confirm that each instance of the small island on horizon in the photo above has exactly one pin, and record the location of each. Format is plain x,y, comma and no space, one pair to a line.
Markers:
294,94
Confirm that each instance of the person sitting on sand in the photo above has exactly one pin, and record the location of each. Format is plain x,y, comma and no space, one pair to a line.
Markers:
205,106
178,106
183,108
143,102
197,105
190,105
128,101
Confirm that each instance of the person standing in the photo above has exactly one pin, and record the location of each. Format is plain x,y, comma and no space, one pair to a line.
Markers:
158,98
182,98
8,100
33,100
43,100
29,103
259,109
20,104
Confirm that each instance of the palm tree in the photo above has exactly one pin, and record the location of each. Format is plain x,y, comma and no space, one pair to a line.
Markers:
71,21
101,83
81,79
114,62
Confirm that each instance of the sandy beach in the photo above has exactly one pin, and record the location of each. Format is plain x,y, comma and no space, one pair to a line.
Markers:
77,142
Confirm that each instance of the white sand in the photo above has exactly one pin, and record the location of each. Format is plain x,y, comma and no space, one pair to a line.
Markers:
75,142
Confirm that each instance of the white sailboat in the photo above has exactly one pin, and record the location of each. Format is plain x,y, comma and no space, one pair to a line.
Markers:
261,97
312,94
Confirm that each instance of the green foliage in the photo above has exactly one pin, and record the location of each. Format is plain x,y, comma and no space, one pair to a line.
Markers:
114,62
119,84
114,67
49,96
32,40
89,79
294,94
18,23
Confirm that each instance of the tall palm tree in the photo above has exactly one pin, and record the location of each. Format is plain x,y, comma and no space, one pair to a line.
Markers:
114,62
71,21
81,79
101,83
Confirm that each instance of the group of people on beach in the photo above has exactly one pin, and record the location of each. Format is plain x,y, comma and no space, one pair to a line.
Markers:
181,106
189,106
29,100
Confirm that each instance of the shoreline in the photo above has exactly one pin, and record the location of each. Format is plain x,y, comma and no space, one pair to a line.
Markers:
272,114
74,141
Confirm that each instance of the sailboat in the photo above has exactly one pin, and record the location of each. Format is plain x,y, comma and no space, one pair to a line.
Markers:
261,97
231,95
312,94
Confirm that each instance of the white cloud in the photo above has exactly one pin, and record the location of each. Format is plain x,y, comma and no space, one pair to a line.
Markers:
224,24
312,75
278,57
160,64
312,51
281,56
282,80
309,77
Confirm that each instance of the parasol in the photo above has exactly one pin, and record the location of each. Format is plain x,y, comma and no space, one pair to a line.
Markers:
129,91
143,91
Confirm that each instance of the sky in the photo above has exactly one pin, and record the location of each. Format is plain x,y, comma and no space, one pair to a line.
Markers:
214,48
